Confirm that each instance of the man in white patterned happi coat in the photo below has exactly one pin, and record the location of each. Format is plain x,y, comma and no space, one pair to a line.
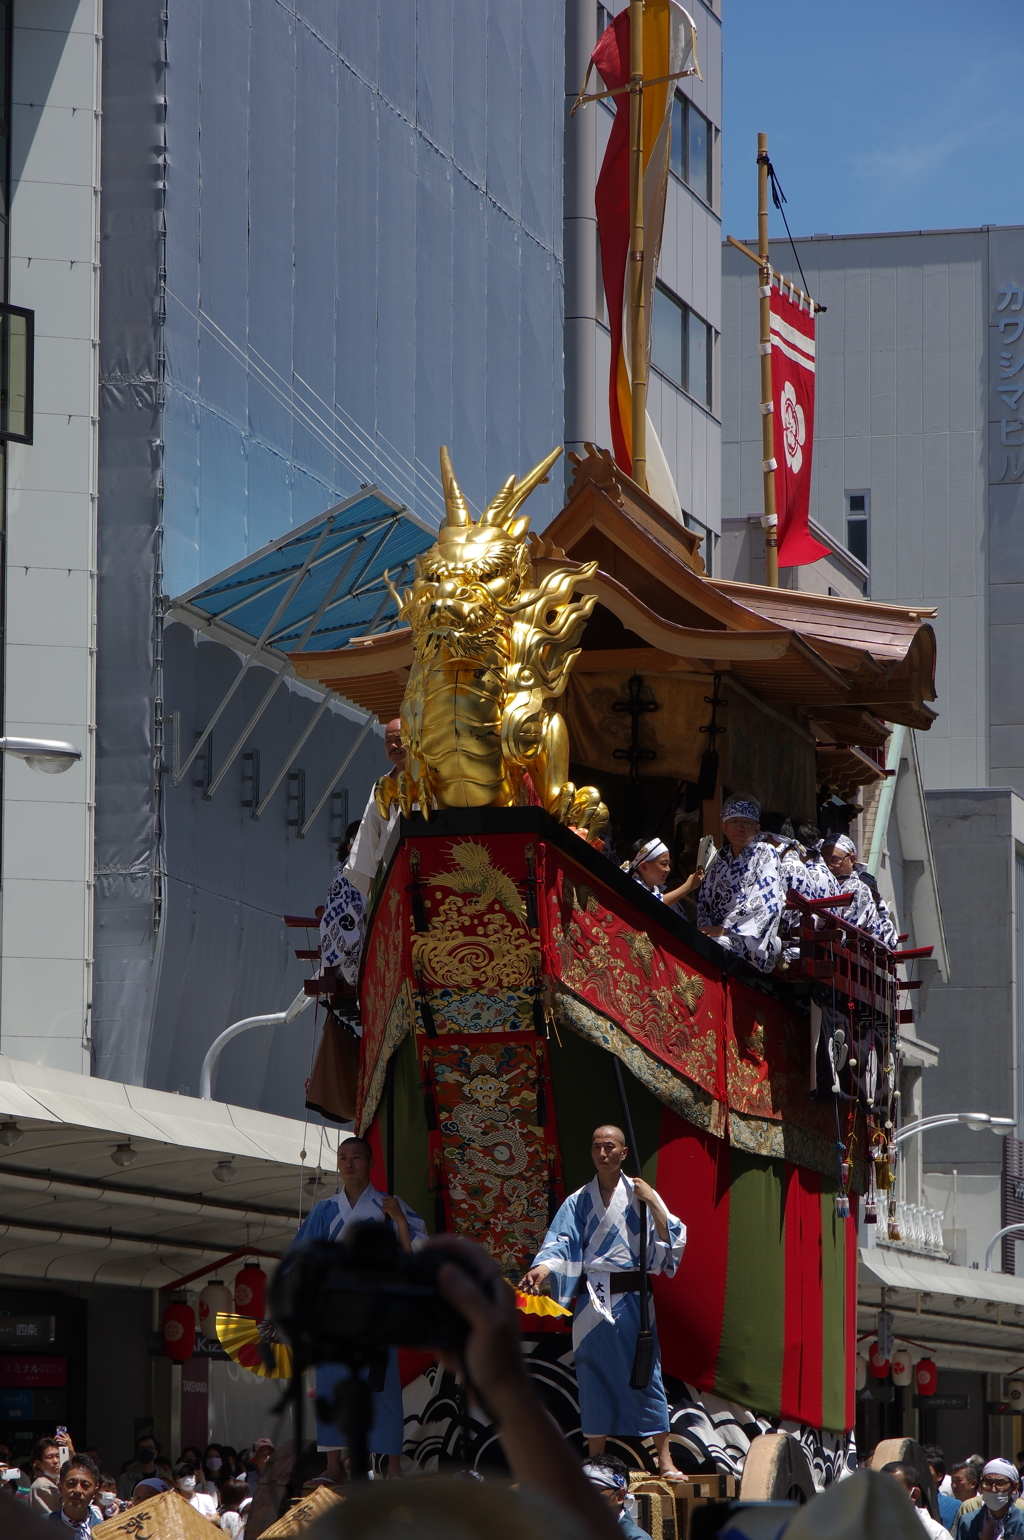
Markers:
741,899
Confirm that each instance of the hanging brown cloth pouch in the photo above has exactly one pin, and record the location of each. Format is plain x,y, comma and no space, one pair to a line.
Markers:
332,1085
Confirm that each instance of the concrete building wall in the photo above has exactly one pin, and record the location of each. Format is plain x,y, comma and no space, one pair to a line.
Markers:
972,1018
1004,376
690,433
901,414
51,534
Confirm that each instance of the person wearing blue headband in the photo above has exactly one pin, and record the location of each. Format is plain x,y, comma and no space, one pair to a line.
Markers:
741,898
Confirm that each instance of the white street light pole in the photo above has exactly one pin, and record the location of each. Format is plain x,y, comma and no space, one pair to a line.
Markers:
976,1121
278,1019
1006,1230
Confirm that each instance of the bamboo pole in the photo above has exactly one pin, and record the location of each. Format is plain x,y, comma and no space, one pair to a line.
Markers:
782,280
637,316
770,520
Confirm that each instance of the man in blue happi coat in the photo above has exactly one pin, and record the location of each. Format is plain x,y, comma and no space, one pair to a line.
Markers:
592,1252
328,1220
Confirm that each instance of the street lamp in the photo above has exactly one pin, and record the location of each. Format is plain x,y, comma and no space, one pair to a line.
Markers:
976,1121
49,755
1006,1230
277,1019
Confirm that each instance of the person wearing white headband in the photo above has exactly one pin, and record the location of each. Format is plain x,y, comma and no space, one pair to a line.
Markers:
651,864
611,1478
999,1515
741,899
866,909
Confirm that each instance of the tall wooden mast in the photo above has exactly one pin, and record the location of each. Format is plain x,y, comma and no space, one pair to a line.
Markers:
770,519
637,309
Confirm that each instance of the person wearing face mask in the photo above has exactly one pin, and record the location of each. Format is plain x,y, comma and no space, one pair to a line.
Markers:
214,1473
186,1485
999,1514
147,1449
907,1478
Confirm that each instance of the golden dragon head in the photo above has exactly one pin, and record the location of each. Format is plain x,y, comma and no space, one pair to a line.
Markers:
471,583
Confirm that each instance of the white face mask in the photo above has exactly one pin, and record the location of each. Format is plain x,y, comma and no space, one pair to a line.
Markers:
187,1484
996,1500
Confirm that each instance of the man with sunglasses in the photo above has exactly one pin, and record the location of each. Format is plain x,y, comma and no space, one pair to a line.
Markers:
998,1515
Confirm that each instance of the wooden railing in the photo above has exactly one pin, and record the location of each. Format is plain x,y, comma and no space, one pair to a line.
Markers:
856,963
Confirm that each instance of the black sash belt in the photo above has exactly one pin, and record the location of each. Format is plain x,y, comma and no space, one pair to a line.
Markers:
622,1283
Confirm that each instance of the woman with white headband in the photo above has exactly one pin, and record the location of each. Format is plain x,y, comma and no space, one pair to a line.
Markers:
650,864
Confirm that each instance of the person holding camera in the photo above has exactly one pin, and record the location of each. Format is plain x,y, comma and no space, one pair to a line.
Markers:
592,1252
358,1200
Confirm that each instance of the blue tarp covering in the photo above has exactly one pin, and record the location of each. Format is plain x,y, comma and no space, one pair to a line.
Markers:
363,259
348,549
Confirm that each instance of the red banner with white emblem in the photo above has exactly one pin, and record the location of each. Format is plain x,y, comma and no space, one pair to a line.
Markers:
793,364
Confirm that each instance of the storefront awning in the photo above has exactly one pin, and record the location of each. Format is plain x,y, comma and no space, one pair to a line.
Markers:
69,1211
967,1319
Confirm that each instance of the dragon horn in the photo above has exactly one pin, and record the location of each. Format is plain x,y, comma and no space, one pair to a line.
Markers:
457,513
523,488
494,513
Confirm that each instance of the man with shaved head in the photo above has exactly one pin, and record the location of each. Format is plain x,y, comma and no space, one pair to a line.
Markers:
368,845
592,1252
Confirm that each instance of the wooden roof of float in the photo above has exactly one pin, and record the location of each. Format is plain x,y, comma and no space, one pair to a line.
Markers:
841,665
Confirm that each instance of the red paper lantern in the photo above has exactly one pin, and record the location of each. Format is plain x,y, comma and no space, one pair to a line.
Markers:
251,1291
926,1376
179,1331
878,1365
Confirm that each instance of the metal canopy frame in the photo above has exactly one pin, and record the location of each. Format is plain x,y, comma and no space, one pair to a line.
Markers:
298,591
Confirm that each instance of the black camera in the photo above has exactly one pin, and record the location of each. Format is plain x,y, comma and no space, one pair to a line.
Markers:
344,1301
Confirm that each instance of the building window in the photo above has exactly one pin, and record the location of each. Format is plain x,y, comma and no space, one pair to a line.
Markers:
708,542
857,511
690,156
681,344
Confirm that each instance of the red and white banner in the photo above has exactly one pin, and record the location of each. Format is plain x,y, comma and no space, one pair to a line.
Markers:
792,336
670,46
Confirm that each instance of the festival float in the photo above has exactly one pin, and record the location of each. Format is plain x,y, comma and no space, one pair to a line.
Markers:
597,681
508,962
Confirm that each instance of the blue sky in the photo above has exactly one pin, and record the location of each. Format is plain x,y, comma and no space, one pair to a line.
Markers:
881,116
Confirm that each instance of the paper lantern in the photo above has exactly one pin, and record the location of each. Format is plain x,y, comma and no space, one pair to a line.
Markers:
878,1365
861,1371
1015,1395
215,1297
902,1368
251,1291
179,1331
926,1376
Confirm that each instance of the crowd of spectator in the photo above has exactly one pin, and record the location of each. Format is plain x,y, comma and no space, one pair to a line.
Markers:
218,1481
